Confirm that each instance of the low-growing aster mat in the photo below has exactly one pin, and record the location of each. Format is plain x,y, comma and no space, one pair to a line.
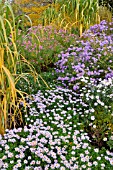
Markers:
54,136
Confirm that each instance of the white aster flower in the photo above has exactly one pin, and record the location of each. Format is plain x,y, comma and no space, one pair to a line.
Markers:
105,139
92,117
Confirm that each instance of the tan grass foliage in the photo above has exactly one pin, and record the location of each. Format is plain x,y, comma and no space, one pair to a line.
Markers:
79,14
10,59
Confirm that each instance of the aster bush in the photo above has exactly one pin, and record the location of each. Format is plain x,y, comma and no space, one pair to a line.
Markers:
92,56
41,45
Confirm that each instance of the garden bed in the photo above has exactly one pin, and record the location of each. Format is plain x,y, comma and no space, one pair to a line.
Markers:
69,125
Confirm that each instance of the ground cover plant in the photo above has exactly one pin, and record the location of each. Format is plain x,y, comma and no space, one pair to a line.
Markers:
54,135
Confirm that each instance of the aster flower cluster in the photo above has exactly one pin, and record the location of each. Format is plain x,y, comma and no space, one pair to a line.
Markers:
92,56
54,135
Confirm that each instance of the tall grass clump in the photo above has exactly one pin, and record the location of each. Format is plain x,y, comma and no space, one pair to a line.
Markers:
77,14
105,13
11,62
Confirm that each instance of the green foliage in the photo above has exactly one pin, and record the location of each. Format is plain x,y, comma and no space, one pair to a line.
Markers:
110,142
103,121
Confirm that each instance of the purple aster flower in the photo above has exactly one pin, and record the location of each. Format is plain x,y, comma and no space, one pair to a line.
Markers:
75,87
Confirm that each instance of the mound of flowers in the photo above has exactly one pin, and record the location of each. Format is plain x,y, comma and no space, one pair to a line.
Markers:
91,57
41,45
